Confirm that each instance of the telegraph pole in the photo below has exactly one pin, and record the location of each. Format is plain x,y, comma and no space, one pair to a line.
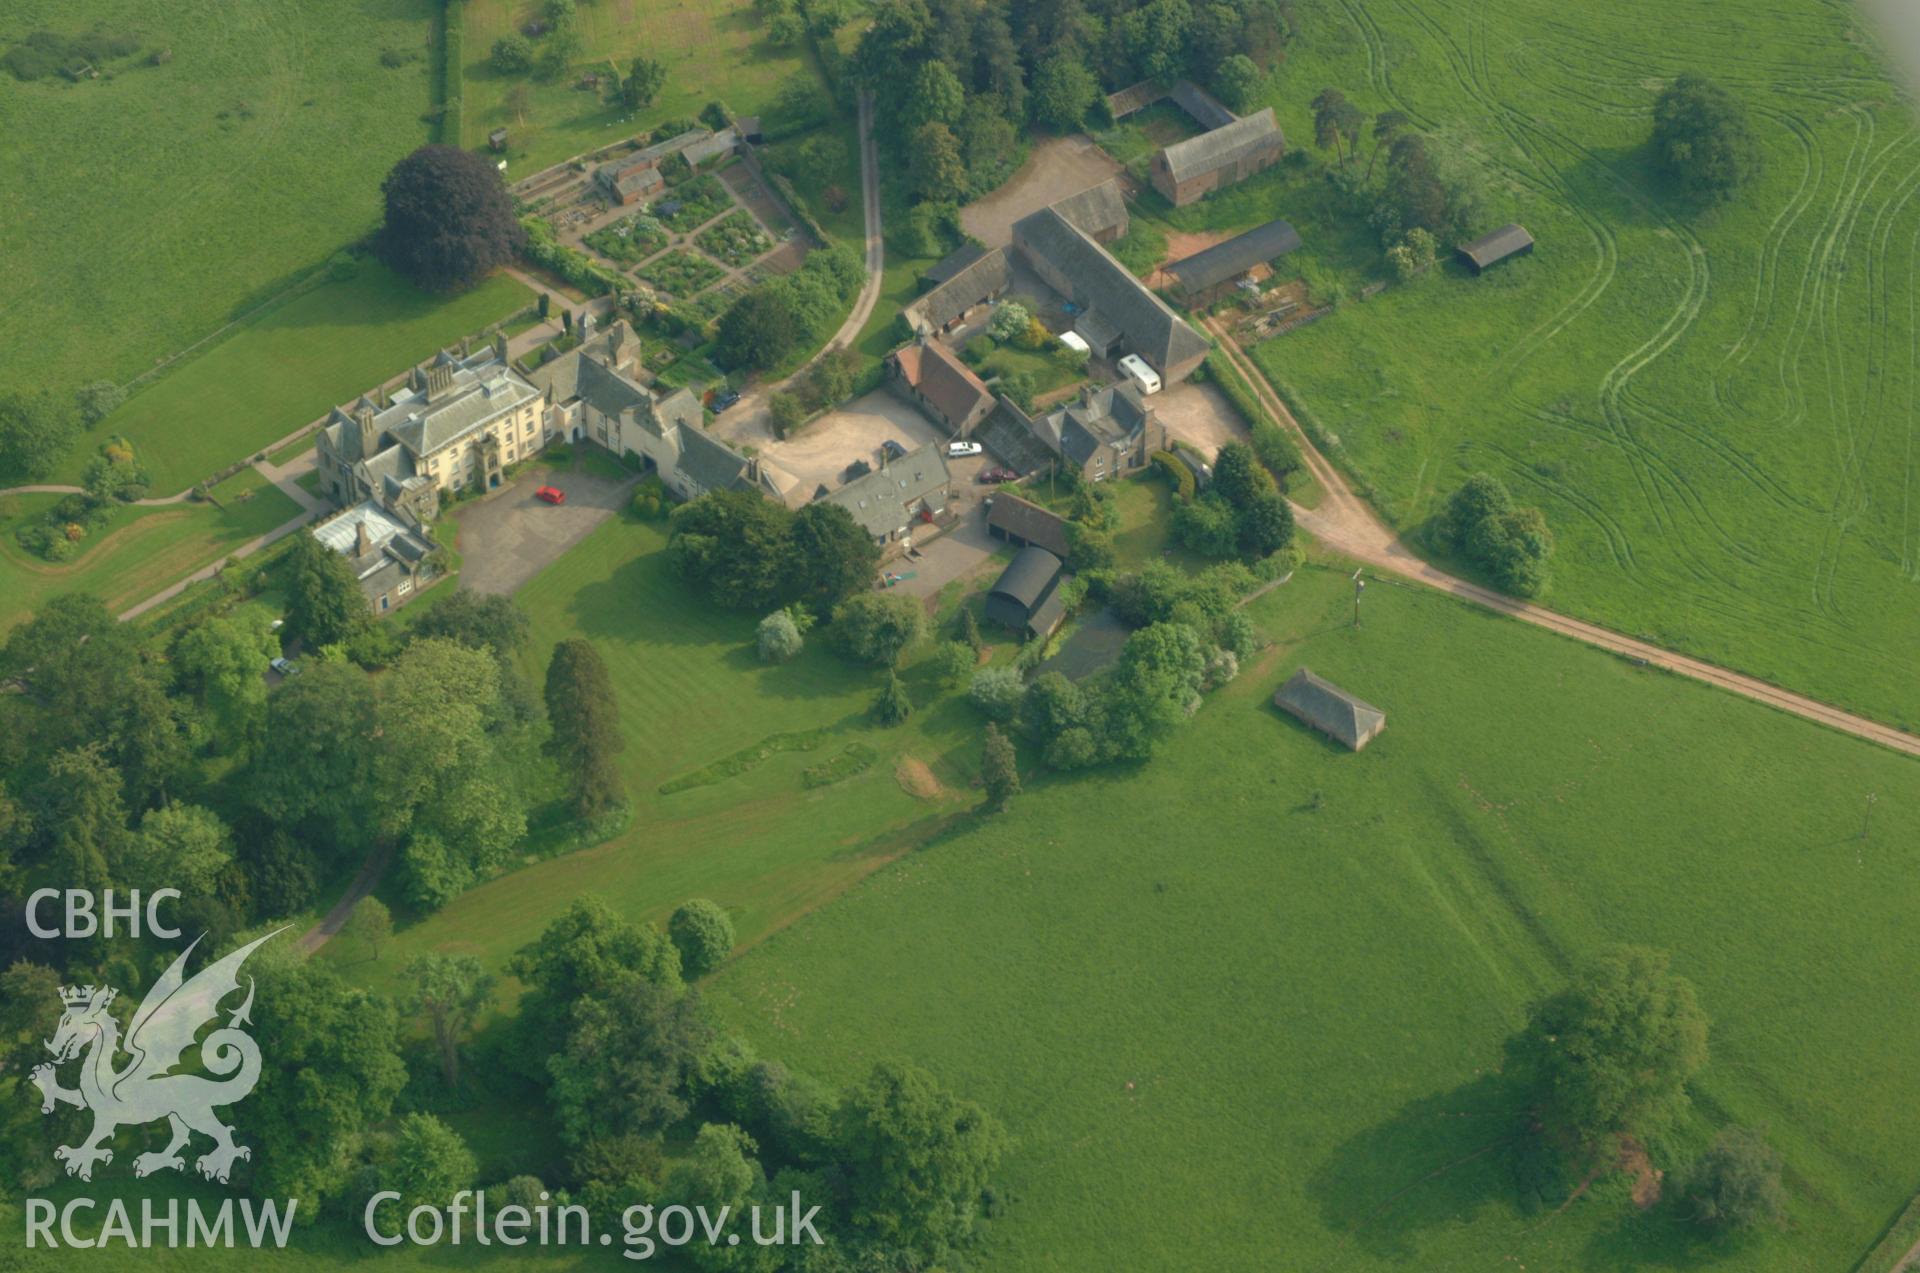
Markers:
1359,586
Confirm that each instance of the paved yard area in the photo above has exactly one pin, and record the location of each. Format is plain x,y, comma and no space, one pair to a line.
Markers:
507,538
1200,415
1054,170
956,554
819,452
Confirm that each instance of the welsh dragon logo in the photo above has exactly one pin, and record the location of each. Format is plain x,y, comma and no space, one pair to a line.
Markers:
145,1089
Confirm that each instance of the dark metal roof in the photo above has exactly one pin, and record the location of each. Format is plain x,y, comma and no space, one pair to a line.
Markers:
953,263
1028,579
1014,516
1222,261
1492,248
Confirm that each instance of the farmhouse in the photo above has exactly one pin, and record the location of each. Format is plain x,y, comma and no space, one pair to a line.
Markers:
928,375
890,499
1026,524
1108,432
1331,710
1188,170
1027,597
1117,312
1489,250
458,423
590,394
391,560
1211,275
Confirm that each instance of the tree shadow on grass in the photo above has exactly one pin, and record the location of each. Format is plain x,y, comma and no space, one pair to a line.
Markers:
1438,1162
1661,1237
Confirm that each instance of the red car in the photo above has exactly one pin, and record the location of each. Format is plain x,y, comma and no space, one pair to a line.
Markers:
990,476
551,494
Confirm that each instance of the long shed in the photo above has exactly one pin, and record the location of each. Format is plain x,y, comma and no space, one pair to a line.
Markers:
1490,249
1026,599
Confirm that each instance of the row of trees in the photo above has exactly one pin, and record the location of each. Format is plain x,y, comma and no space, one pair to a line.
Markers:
1419,187
37,429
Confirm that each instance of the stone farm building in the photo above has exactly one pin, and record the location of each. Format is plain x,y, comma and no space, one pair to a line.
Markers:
915,489
1211,274
1064,244
932,378
1027,597
638,177
1189,170
1326,707
458,422
1106,432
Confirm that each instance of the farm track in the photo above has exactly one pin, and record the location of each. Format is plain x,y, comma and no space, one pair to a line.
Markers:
1346,524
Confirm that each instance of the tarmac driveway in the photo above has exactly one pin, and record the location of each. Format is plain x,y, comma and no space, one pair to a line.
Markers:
508,537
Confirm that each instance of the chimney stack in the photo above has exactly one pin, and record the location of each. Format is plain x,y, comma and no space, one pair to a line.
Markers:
500,348
439,380
363,418
362,542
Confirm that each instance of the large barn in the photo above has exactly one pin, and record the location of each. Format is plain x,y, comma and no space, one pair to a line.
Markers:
1189,170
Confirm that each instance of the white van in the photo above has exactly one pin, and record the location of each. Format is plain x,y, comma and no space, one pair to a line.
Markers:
1144,378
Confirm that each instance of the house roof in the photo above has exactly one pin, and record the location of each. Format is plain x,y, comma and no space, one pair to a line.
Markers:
1102,284
1492,248
1111,415
890,497
388,541
1029,578
709,461
1096,210
1024,520
1328,708
1222,146
942,379
991,273
1222,261
955,261
424,427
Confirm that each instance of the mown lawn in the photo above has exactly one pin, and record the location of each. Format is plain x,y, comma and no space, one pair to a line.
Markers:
146,210
1240,1007
289,366
692,692
712,52
1713,408
140,551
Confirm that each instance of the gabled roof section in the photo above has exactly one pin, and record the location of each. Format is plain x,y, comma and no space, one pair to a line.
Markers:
987,275
1329,709
1025,520
1097,210
1222,146
1102,284
942,379
891,496
1490,249
1222,261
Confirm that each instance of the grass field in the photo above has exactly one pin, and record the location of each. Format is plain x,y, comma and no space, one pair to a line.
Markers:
711,51
1716,411
1239,1007
140,551
693,693
287,367
146,210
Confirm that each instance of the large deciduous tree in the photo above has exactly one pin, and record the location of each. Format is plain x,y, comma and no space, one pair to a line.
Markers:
449,219
36,430
324,603
1611,1054
585,720
449,991
1703,138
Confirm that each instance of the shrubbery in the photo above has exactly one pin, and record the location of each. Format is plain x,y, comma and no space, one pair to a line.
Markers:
1510,542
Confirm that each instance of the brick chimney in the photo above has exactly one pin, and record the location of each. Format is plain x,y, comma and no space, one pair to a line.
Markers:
500,348
439,380
362,542
363,418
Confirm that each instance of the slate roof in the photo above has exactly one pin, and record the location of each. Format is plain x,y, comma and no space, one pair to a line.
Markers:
1027,580
709,461
1102,284
1017,517
1096,210
1108,415
424,427
990,274
1222,146
1329,709
948,266
390,545
942,379
1222,261
1490,249
889,498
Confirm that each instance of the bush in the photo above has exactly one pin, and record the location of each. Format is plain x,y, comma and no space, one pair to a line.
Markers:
1010,319
1178,475
97,400
703,934
1735,1186
953,663
788,412
997,692
876,627
1513,544
779,638
512,54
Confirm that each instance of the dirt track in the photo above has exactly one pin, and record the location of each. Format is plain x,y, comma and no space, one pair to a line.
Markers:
1344,522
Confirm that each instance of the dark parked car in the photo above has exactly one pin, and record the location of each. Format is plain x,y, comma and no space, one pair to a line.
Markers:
724,399
893,450
990,476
